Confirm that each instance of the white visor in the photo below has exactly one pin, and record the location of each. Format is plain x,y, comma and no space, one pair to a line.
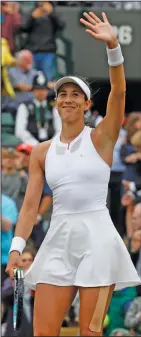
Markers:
76,80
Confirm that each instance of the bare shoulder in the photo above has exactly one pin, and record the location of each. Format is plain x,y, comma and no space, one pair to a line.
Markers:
40,151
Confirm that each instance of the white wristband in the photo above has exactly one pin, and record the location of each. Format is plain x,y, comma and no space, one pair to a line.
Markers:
115,57
18,244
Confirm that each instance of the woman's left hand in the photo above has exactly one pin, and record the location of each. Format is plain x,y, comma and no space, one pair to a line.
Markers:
100,30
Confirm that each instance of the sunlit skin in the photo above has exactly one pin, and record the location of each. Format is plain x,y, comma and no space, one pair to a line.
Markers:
71,103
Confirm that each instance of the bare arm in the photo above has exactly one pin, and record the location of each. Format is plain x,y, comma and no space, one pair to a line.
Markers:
116,103
106,133
29,210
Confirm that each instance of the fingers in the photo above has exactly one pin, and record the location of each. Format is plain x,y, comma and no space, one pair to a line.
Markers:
89,18
95,17
87,24
104,17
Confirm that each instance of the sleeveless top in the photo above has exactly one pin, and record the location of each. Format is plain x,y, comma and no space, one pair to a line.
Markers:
77,175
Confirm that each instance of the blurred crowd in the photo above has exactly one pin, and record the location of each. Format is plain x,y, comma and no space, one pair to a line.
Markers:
29,116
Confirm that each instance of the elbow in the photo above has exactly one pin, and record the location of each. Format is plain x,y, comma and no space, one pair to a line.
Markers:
119,89
119,93
28,209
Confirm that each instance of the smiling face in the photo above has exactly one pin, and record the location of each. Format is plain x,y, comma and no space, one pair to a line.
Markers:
71,103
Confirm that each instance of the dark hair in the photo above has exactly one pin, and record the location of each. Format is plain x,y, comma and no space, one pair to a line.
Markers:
86,81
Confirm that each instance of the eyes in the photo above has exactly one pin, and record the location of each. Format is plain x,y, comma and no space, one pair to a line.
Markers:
63,94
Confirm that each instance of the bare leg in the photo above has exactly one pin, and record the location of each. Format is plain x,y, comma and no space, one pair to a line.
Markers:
94,303
50,307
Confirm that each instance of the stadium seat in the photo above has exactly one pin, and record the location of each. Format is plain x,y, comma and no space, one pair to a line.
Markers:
8,140
7,123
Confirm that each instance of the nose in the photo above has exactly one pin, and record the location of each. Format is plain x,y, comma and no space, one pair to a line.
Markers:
68,98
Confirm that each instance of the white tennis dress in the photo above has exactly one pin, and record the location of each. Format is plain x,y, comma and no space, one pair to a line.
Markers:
82,246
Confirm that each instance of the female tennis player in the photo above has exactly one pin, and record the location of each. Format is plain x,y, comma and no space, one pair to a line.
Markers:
82,249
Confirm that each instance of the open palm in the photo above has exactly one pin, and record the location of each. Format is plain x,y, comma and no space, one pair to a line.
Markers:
100,30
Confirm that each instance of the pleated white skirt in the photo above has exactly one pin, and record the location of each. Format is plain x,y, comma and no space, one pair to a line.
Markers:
83,250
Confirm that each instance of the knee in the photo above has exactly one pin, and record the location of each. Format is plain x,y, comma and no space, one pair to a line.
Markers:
40,332
45,331
88,332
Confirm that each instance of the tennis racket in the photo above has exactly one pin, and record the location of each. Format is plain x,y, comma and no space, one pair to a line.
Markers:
18,298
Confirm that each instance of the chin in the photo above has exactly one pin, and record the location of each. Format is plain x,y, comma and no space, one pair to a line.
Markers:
69,119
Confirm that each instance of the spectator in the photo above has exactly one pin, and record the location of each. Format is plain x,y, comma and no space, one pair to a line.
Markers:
136,241
133,125
34,120
8,221
22,75
24,151
120,332
42,26
26,328
133,316
13,182
132,193
115,184
136,217
136,250
133,168
11,20
136,238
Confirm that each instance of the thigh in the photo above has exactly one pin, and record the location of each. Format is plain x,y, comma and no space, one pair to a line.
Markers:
50,306
94,303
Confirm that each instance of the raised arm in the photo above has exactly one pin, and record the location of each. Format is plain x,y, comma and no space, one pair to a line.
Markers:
103,31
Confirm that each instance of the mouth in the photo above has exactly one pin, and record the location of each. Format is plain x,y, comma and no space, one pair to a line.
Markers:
68,107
